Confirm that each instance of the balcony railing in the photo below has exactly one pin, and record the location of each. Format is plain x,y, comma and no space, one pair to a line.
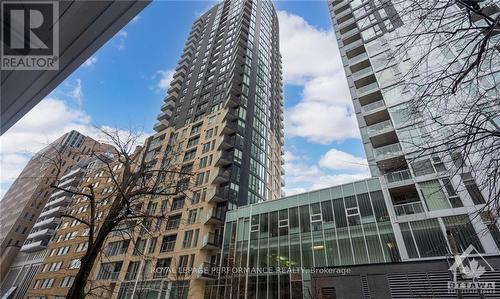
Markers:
362,73
224,158
222,193
215,215
361,91
398,176
388,151
167,246
353,45
372,106
379,128
409,208
350,33
107,275
361,57
212,241
221,176
343,13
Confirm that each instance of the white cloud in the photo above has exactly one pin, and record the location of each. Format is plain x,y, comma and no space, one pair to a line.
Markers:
164,78
320,123
135,19
337,179
90,62
339,160
77,92
302,174
121,37
307,51
293,191
311,59
43,124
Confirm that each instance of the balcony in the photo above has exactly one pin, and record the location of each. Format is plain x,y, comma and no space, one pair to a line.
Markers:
227,142
167,246
339,4
35,246
345,23
53,221
206,271
224,158
358,58
373,107
362,73
221,176
221,193
57,211
353,45
388,151
59,201
380,128
164,115
107,275
343,13
211,241
61,192
175,87
160,126
229,128
48,232
350,33
70,174
67,182
367,89
398,178
231,115
215,216
409,208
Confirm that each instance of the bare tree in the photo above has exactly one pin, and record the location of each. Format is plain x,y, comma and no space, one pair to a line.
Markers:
448,54
131,175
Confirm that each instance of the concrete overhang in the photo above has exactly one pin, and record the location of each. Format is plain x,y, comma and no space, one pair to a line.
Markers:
84,26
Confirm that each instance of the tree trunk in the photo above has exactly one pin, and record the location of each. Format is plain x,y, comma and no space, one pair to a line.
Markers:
77,290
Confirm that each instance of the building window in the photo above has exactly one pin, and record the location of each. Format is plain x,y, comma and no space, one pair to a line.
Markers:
434,196
168,243
463,232
67,282
162,268
472,189
188,238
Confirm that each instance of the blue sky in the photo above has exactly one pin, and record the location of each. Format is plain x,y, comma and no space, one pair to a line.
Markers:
122,85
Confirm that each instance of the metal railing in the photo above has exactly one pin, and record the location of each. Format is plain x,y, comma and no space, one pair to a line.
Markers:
358,58
391,149
378,127
398,176
409,208
362,73
367,88
373,106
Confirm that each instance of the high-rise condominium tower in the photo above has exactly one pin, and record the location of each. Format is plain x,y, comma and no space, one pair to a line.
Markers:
231,63
222,122
426,185
396,235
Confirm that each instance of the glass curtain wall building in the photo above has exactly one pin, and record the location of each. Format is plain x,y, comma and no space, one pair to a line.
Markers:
277,243
427,192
